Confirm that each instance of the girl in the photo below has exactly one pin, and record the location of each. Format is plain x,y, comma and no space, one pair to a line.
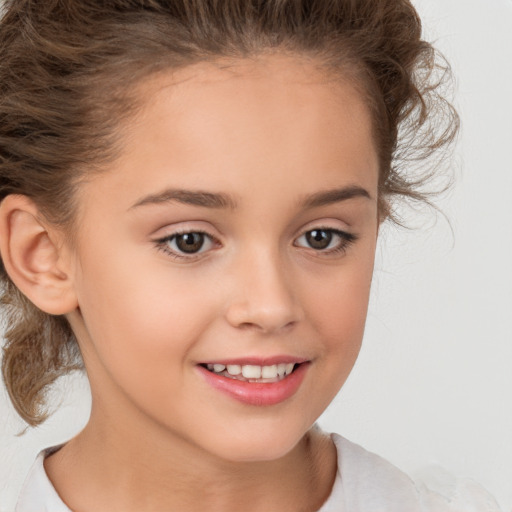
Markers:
191,193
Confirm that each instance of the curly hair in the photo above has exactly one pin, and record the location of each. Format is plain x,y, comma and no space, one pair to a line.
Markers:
68,71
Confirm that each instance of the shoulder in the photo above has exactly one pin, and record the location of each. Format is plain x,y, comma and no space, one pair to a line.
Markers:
368,483
38,493
365,482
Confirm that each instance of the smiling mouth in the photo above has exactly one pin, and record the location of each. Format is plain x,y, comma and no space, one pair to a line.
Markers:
253,373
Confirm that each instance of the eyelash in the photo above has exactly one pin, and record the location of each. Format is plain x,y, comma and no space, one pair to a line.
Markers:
346,239
163,244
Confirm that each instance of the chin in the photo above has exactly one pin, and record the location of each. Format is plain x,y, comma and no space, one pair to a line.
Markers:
257,445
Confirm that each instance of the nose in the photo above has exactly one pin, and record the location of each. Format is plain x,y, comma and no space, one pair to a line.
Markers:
263,295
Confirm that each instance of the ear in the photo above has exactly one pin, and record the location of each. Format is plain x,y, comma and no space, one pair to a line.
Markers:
35,256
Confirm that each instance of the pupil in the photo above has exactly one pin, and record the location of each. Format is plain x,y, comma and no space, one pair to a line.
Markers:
190,242
319,239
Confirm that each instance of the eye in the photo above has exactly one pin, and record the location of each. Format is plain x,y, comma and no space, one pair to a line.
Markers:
325,240
190,243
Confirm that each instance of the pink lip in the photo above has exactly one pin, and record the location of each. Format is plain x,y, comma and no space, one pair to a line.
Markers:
257,393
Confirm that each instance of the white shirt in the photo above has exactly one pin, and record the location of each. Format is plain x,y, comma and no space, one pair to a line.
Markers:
364,482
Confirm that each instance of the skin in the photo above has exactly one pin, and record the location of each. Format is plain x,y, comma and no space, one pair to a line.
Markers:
267,133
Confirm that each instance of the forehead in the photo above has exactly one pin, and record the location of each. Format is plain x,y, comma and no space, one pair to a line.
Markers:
271,119
269,82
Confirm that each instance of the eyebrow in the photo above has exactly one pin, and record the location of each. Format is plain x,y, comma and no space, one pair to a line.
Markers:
326,197
220,200
190,197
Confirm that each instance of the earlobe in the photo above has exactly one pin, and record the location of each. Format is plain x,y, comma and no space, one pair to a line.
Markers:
34,258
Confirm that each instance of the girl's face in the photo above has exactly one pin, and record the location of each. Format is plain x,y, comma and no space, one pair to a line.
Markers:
235,233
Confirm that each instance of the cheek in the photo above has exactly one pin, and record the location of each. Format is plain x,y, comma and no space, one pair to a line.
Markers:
337,315
140,329
338,311
134,316
342,300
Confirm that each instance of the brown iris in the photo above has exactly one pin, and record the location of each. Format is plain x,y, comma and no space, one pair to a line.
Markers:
190,242
319,238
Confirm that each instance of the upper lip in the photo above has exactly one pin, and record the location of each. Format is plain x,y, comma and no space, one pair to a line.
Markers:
258,361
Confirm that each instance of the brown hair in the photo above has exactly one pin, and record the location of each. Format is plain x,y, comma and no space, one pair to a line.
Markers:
67,69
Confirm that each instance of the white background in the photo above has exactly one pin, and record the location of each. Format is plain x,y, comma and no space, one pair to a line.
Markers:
433,384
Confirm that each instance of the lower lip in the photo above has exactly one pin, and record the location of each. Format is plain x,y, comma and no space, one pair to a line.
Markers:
257,393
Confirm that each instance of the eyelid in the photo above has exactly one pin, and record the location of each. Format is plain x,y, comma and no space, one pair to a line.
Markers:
185,226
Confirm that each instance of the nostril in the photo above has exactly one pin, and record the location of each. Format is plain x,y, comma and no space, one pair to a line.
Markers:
263,317
264,300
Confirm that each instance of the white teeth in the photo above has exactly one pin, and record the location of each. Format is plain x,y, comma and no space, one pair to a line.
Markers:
234,369
269,372
250,371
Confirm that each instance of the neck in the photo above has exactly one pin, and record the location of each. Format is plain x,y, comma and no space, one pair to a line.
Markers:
110,466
